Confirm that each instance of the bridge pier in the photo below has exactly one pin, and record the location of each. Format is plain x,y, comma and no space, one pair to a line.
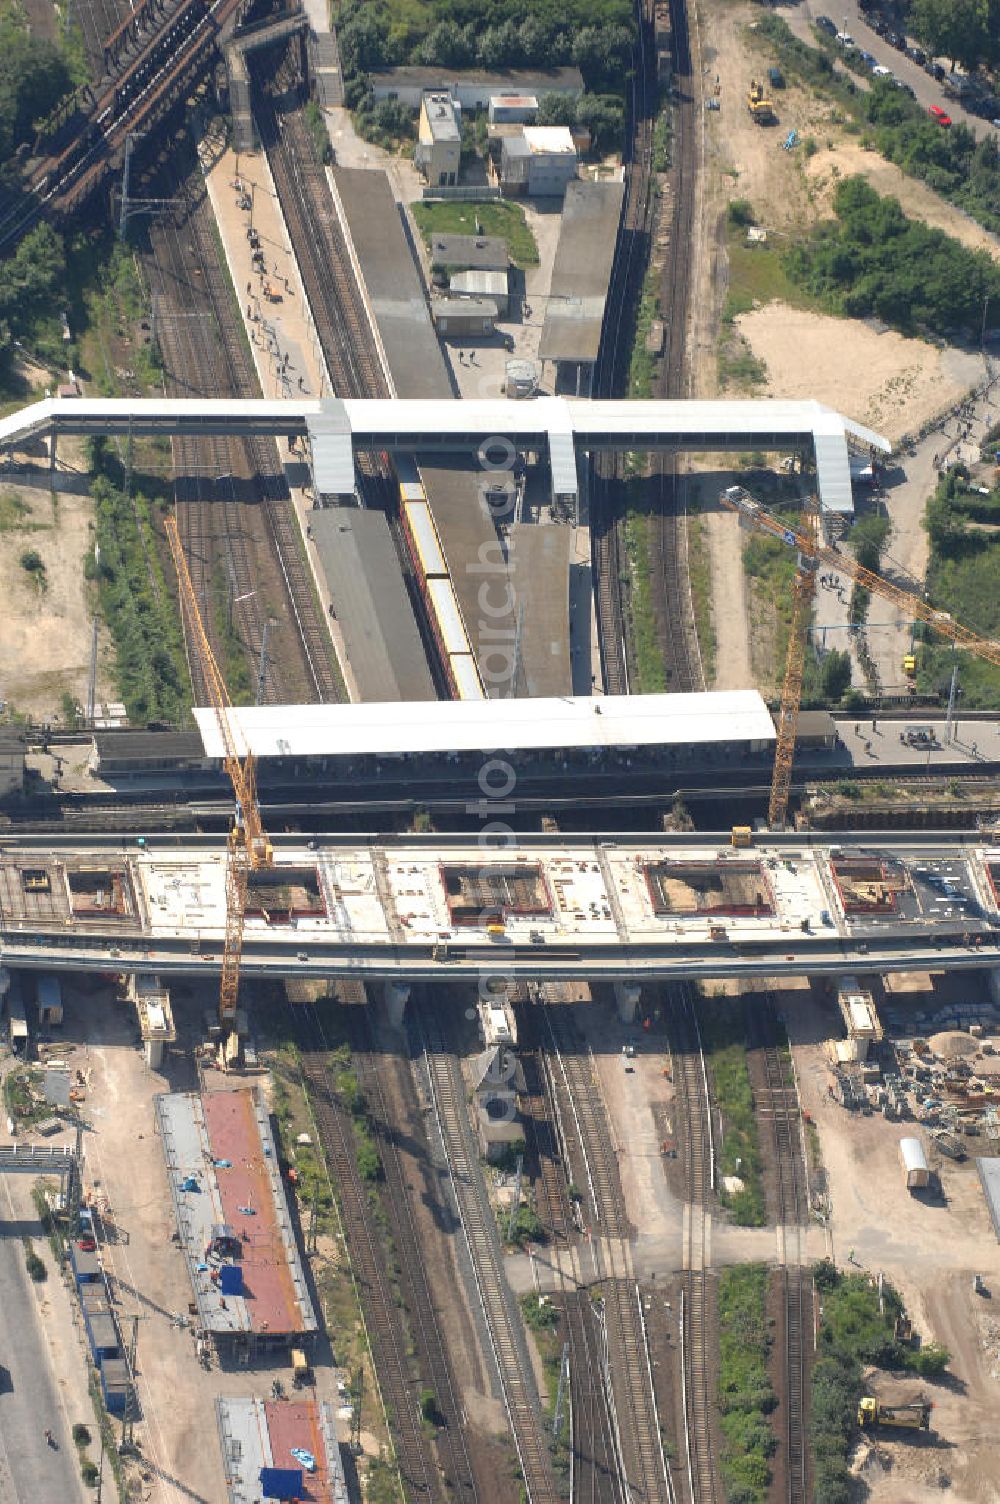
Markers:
627,998
397,995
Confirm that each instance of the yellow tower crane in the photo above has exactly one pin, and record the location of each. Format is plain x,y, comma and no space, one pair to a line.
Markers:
812,554
249,847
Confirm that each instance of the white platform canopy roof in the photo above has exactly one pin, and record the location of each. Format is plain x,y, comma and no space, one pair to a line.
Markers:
339,429
480,725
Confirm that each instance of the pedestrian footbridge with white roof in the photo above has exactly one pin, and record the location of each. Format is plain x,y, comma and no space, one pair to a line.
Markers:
559,427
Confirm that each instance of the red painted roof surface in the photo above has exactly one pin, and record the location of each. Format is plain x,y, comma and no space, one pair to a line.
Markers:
296,1424
233,1134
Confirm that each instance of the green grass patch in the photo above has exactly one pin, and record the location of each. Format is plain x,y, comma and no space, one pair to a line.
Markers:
724,1032
746,1397
642,366
151,672
700,575
235,665
856,1330
961,578
501,218
647,654
13,513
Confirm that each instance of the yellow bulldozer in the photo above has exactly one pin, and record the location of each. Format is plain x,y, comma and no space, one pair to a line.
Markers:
914,1416
759,105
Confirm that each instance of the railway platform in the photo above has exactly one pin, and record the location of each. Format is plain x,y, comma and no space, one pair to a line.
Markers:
277,331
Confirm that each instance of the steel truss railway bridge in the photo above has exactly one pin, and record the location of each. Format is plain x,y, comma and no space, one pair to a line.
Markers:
338,430
382,909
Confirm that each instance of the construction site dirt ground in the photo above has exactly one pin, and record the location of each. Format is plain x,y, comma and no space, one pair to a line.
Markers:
930,1251
45,645
875,376
124,1173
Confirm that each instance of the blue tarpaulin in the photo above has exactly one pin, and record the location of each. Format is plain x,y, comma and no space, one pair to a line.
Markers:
231,1279
281,1482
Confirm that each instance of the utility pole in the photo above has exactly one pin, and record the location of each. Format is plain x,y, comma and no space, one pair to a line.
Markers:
130,140
561,1392
262,666
92,675
515,1205
132,1402
952,697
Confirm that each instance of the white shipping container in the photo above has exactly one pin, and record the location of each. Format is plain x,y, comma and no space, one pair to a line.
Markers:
914,1161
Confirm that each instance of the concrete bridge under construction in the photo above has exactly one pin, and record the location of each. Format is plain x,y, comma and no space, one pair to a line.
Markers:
444,908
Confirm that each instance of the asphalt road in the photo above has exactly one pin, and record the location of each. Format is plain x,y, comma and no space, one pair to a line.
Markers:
847,16
30,1470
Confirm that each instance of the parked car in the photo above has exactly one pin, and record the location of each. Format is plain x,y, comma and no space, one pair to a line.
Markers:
87,1244
845,39
895,40
934,69
881,71
868,60
904,88
825,24
936,113
918,55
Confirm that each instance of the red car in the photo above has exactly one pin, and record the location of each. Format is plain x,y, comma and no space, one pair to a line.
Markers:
87,1244
936,113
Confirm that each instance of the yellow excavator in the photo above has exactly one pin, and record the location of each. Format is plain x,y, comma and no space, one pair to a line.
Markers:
914,1416
760,107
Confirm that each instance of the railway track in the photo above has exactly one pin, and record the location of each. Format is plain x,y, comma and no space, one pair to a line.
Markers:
673,605
383,1324
611,370
635,1422
174,52
414,1275
697,1295
98,20
216,478
479,1227
597,1474
342,323
780,1114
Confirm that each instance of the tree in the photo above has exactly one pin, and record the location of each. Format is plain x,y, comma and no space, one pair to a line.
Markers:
868,539
836,676
963,30
603,115
557,109
603,54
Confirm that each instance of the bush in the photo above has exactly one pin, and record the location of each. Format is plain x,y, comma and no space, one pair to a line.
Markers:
36,1268
429,1408
740,213
527,1226
746,1397
142,615
930,1361
873,260
88,1472
81,1435
539,1312
33,565
369,1162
